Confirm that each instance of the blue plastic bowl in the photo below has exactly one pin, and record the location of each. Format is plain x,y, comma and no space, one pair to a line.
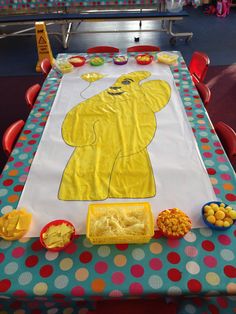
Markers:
208,223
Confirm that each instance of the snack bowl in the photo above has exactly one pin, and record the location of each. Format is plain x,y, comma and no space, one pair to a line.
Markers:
77,61
57,223
120,59
225,213
96,61
173,223
144,59
167,57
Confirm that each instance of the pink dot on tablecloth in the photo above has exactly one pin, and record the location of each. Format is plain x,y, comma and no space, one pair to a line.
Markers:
221,159
194,285
155,264
122,247
222,301
101,267
28,131
36,135
18,164
85,257
31,261
19,293
19,144
216,190
224,239
202,127
135,288
173,243
191,251
118,278
225,176
217,144
231,197
77,291
208,245
210,261
72,248
174,274
18,252
207,154
137,271
2,257
115,293
46,271
28,149
5,285
211,171
27,169
173,257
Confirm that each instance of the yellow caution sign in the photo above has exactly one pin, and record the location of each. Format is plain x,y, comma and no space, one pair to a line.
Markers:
43,44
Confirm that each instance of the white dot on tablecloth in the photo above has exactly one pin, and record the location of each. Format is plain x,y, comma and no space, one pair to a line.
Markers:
11,268
227,254
155,282
138,254
104,251
61,282
193,268
25,278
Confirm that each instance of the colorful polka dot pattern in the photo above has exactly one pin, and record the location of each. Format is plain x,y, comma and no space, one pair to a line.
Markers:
201,263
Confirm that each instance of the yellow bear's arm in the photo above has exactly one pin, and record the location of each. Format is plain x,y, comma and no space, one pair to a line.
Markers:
78,126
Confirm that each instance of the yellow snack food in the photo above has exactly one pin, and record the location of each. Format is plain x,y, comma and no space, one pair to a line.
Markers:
57,236
219,223
173,223
219,215
211,219
15,224
167,57
232,214
120,223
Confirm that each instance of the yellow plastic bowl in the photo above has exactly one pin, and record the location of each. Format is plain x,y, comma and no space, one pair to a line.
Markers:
167,57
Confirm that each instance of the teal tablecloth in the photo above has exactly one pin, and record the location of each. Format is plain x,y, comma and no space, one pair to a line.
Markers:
201,264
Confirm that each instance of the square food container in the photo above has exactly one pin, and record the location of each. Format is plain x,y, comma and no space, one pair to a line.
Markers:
100,212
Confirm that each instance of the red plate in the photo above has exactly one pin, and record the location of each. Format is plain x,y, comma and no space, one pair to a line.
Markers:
56,223
144,59
77,61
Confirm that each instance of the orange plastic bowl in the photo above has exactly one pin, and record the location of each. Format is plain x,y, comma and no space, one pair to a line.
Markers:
77,61
56,223
144,59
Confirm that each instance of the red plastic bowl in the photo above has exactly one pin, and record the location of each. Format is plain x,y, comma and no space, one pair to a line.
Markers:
139,59
56,223
77,63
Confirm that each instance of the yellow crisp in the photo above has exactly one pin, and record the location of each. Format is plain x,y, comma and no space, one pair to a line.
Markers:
57,236
15,224
174,221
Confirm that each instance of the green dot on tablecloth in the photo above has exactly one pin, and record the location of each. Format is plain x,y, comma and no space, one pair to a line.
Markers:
174,291
190,309
212,278
227,254
66,264
25,278
104,251
23,156
206,232
138,254
11,268
51,256
61,282
155,282
193,268
3,192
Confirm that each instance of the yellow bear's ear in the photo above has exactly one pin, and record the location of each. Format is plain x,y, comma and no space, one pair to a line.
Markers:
157,94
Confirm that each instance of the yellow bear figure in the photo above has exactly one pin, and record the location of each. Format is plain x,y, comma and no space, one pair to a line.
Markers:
110,132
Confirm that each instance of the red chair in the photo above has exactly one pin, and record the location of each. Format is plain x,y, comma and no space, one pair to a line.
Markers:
198,66
10,136
204,93
227,137
45,66
143,48
31,95
103,49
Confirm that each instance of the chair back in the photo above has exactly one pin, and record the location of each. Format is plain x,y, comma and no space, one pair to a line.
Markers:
45,66
143,48
103,49
204,93
198,66
10,136
31,95
227,137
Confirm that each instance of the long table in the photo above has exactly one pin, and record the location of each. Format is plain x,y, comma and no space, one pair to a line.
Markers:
201,266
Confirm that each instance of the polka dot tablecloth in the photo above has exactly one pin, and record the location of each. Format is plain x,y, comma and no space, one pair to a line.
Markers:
33,280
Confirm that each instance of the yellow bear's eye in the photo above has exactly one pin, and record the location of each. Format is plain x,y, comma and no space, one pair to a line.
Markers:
126,82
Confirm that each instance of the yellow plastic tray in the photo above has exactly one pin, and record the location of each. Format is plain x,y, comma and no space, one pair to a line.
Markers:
97,211
167,57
